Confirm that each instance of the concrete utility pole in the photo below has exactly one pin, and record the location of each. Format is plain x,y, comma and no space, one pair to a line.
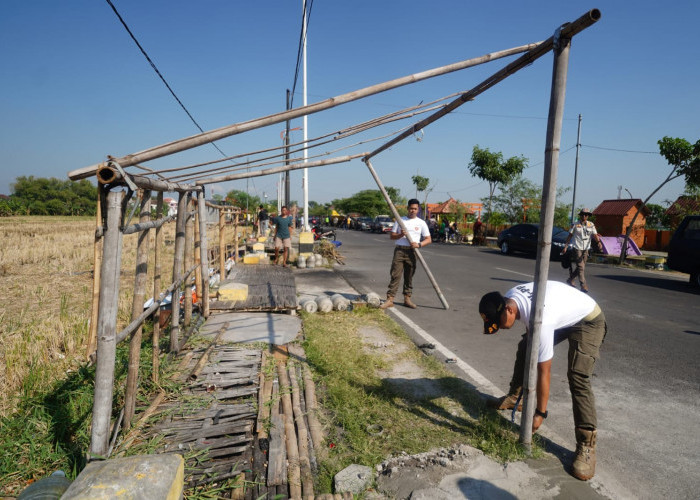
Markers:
578,147
286,153
306,152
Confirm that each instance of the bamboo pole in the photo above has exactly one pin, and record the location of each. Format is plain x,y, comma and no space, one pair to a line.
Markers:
156,289
549,193
106,327
291,441
197,259
312,412
189,250
307,480
177,269
567,31
108,173
277,455
222,245
203,251
96,270
136,310
401,223
276,170
235,238
227,131
197,370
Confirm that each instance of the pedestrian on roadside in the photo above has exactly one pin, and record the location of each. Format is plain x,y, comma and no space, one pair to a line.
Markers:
568,314
263,221
442,230
404,260
581,232
478,238
283,235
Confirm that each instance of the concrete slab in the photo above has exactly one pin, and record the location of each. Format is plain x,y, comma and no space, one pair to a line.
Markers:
140,477
272,328
322,281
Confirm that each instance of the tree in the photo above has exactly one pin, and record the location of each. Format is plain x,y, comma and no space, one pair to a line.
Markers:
519,193
395,195
41,196
684,157
657,217
422,185
243,200
369,202
491,168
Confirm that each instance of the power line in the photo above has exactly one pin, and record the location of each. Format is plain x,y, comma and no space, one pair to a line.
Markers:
302,39
621,150
153,65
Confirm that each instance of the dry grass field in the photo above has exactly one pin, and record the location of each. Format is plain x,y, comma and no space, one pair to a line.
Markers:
46,266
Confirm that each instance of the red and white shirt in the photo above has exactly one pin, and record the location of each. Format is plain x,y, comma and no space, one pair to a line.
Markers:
416,227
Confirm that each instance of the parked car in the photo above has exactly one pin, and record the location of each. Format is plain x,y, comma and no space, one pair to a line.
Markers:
363,223
382,224
523,238
684,248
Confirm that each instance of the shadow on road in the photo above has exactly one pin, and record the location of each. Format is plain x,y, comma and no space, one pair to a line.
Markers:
655,282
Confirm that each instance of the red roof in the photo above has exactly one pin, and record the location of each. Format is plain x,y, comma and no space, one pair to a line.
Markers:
619,207
449,207
684,204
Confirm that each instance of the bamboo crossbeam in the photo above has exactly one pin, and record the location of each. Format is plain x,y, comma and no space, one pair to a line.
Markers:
227,131
144,226
567,31
131,327
107,173
402,225
276,170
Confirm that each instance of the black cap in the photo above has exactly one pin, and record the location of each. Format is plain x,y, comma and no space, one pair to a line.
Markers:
491,309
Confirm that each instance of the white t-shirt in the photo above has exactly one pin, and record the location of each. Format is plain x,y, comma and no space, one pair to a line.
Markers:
416,228
563,306
582,232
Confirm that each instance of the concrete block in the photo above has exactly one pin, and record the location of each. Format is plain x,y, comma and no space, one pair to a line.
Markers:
233,291
251,259
354,478
139,477
306,243
258,247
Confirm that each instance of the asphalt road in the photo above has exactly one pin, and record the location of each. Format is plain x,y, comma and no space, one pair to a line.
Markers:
647,382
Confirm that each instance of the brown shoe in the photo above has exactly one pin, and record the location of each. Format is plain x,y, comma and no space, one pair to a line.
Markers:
570,282
584,463
408,303
389,302
505,403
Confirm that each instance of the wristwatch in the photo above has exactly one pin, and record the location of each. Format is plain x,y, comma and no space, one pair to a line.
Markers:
542,414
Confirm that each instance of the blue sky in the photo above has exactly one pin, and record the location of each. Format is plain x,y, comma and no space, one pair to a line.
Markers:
75,88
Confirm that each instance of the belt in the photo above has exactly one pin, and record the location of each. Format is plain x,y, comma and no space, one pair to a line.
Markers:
404,247
593,314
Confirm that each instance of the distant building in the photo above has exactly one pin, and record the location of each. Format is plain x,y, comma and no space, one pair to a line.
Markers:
684,205
612,217
451,207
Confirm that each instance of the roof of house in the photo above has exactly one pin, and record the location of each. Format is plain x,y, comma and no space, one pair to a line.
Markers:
449,207
619,207
684,204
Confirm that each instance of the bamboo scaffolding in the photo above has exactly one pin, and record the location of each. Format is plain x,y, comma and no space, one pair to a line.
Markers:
136,309
540,49
402,224
198,260
158,245
235,238
106,327
293,471
312,411
177,269
108,173
203,252
96,270
307,480
220,133
222,245
277,456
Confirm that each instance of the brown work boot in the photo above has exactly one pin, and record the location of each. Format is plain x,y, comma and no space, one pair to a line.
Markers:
408,303
506,402
584,463
570,282
389,302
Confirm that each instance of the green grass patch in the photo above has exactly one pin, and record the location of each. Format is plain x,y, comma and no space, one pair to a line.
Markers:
355,397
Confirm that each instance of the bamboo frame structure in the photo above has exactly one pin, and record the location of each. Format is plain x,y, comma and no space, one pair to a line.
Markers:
156,289
111,175
96,269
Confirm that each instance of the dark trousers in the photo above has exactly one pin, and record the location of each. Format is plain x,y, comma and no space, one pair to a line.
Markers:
403,263
585,339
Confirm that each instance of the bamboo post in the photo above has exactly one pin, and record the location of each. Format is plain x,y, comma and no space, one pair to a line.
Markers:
544,243
97,268
312,412
136,310
307,480
291,441
189,250
107,327
177,269
156,289
403,228
197,259
277,455
203,251
222,245
235,237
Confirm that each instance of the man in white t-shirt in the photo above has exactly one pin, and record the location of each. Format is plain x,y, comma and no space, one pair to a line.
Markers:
404,260
568,315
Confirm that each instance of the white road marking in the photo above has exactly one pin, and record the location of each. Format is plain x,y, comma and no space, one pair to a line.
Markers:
477,377
514,272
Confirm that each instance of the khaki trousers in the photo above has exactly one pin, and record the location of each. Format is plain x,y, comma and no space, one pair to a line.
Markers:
578,266
585,339
403,263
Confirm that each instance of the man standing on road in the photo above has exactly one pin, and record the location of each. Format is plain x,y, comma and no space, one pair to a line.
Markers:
263,221
404,260
568,314
581,232
283,236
